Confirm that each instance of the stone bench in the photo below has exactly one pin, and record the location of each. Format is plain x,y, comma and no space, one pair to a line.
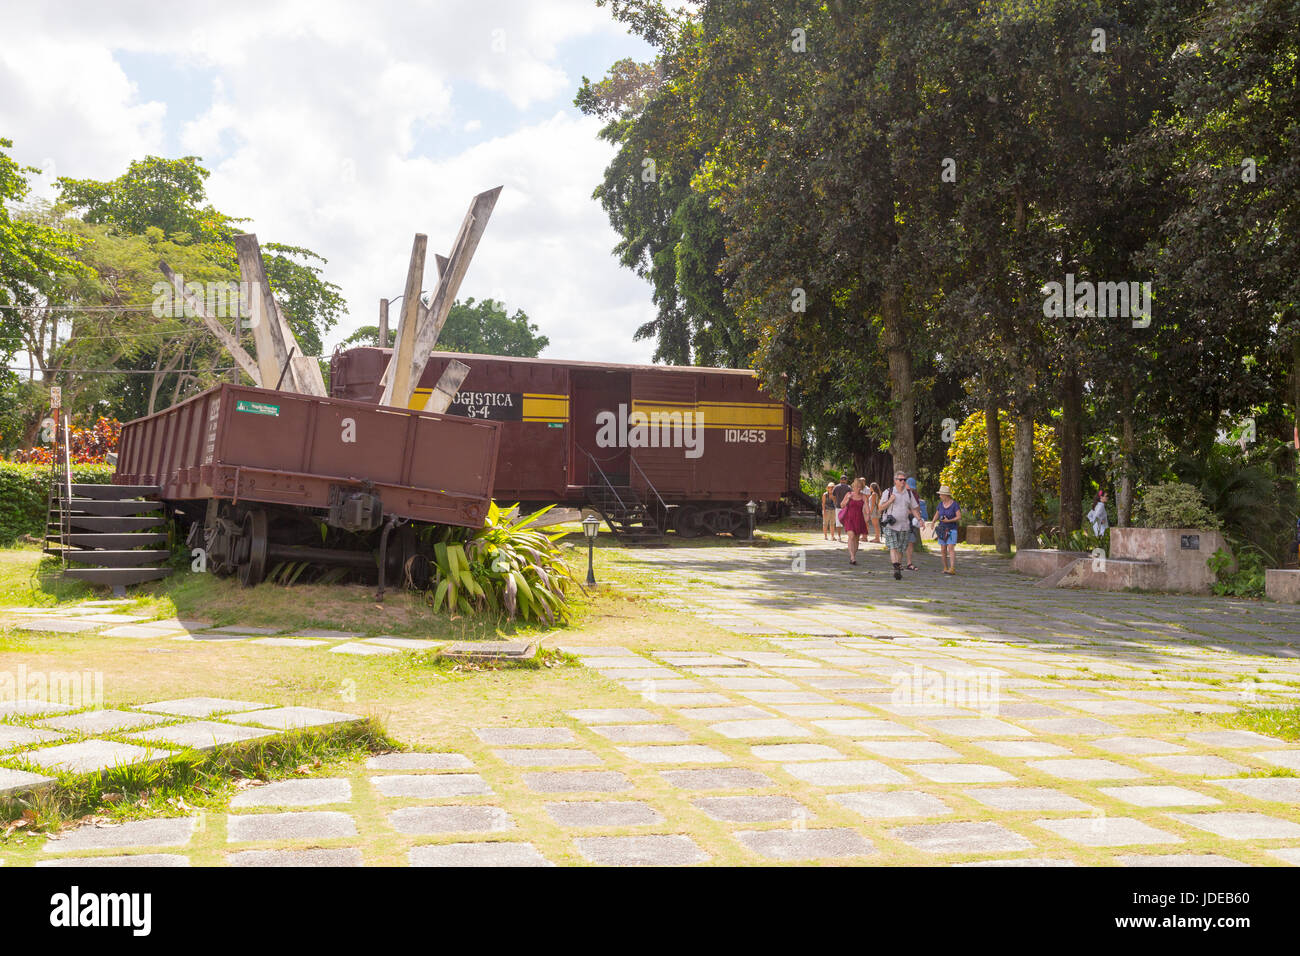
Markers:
1042,562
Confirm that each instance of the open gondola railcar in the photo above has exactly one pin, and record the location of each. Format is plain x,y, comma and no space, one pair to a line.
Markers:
255,473
650,447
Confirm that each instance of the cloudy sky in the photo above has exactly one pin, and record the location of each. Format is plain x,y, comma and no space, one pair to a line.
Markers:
348,127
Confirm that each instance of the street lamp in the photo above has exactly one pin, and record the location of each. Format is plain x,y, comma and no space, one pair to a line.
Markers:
751,507
590,528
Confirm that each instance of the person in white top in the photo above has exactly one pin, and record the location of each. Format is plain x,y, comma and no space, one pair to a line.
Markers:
1100,520
897,507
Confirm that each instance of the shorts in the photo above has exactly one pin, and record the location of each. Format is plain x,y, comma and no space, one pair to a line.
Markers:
828,520
948,536
897,540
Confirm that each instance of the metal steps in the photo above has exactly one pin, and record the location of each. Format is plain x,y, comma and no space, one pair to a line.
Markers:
106,534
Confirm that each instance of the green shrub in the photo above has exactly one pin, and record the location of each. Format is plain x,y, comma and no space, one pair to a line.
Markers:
1251,493
24,495
1246,581
1174,505
967,467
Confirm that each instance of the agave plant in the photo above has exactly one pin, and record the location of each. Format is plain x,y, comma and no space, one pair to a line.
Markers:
504,567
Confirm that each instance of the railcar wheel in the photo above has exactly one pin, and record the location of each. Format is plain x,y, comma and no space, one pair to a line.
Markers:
688,522
253,566
739,524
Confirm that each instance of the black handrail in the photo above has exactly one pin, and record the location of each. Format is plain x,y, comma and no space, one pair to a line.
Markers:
603,477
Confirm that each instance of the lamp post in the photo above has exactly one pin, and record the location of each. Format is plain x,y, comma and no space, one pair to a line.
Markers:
590,528
751,507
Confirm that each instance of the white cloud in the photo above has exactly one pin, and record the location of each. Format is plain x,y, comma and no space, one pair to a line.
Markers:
317,126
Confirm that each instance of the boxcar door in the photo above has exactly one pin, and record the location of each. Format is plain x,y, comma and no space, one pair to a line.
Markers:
599,401
668,448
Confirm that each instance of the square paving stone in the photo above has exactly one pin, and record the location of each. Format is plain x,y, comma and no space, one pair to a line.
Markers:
1241,826
294,718
844,683
101,721
960,772
679,753
524,736
347,856
143,631
88,756
686,699
1086,769
818,844
1286,854
199,706
758,729
910,749
1281,789
711,714
556,757
1117,708
419,761
431,786
603,813
296,793
717,778
753,809
1159,796
811,711
1235,738
364,650
844,773
781,752
1072,725
1025,798
15,781
1196,860
1021,748
977,727
1017,708
1203,765
478,854
577,781
892,803
859,727
1138,746
1107,831
1283,758
962,837
651,850
613,715
327,634
300,825
287,642
754,683
134,860
405,643
785,697
58,626
642,733
171,831
201,734
14,736
427,821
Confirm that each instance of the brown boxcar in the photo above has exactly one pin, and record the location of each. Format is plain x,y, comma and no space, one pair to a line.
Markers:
264,476
651,447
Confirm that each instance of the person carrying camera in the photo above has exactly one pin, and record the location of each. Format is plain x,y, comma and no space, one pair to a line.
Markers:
897,507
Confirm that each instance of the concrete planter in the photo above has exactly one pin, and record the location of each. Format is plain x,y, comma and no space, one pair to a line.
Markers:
1042,562
1183,553
1282,585
977,534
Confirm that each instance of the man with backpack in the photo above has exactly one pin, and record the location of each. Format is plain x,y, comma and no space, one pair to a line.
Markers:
898,506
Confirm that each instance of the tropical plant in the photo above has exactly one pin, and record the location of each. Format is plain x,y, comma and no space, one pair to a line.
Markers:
1246,579
1253,499
967,470
506,567
1174,504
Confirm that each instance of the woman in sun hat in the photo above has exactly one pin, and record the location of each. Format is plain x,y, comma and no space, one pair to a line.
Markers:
830,526
947,517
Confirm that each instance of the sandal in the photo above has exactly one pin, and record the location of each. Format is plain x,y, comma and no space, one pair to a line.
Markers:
913,567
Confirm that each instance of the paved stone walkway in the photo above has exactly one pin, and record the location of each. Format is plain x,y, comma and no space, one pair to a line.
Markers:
975,721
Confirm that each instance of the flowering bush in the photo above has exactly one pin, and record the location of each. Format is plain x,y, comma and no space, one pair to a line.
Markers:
88,446
967,470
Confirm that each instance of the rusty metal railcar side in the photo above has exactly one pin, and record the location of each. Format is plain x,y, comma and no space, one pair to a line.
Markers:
552,448
242,444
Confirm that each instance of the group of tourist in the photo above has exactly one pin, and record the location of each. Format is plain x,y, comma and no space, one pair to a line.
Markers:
898,513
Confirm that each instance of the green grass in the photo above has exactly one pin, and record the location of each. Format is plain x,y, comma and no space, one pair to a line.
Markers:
189,781
1280,722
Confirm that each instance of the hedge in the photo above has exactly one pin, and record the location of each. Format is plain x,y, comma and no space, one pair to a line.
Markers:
24,495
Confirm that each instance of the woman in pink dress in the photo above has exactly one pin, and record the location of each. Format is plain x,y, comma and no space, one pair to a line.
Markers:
854,516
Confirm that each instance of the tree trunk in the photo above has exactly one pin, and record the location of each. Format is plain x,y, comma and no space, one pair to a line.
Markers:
1124,487
1022,484
1071,451
997,479
894,339
874,466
